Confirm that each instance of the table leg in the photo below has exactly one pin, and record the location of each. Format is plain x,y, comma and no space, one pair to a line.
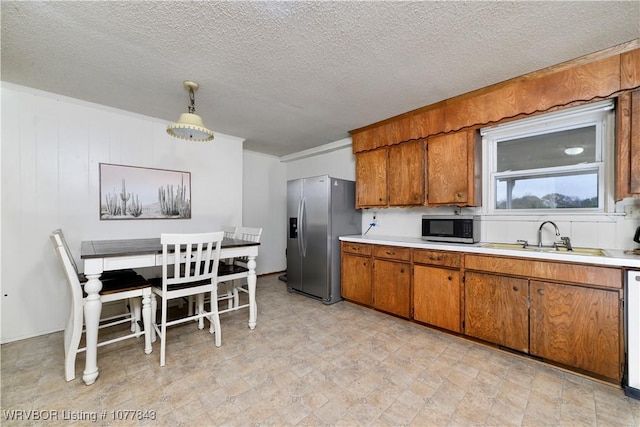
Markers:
92,310
251,282
146,319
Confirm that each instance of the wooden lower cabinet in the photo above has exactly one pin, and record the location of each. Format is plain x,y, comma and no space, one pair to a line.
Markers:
392,287
577,326
496,309
355,273
570,314
436,297
356,278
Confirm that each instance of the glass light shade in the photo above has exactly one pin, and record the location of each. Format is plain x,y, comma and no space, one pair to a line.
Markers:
190,127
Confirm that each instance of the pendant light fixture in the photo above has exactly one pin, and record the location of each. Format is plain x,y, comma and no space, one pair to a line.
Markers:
189,126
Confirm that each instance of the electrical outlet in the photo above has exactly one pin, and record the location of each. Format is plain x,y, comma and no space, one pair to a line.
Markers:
632,211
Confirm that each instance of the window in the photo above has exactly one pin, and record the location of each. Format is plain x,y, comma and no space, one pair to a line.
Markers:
554,162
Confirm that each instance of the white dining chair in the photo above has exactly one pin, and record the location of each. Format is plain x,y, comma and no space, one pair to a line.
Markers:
236,276
225,292
189,268
132,305
123,288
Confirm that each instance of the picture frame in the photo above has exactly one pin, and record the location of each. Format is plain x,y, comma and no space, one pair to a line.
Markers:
133,192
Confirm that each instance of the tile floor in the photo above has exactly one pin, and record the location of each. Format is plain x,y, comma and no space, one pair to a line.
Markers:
305,364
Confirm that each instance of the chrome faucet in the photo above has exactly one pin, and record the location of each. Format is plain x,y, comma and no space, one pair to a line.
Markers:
540,231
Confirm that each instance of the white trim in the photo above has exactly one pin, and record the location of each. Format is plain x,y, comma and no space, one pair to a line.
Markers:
326,148
587,115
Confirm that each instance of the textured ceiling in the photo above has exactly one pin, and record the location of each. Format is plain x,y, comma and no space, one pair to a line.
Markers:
289,76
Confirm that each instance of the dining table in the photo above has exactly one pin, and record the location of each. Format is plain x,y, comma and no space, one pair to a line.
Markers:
118,254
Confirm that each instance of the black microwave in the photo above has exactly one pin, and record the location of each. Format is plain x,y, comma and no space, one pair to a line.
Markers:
451,228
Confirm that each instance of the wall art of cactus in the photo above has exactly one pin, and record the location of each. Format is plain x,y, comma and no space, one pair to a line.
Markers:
129,192
174,204
124,196
135,208
112,205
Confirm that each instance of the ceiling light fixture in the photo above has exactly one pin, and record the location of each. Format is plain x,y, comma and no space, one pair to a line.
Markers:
189,126
573,151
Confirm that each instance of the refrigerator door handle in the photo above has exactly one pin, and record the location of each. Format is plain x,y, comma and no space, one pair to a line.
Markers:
302,228
299,226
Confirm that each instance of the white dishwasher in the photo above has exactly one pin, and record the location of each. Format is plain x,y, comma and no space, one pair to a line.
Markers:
632,303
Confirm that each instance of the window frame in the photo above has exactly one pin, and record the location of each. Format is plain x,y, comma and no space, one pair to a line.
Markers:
599,114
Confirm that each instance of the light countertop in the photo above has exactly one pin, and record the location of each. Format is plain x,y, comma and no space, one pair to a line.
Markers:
612,257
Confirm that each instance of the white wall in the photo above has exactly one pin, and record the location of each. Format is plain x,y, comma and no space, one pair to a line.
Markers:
326,160
264,198
51,148
265,192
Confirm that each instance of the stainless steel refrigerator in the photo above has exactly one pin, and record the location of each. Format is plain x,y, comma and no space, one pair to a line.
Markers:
319,210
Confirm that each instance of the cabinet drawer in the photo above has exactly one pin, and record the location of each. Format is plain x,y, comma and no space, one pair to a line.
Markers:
356,248
392,252
608,277
447,259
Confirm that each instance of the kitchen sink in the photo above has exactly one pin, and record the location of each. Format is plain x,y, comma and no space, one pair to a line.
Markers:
561,250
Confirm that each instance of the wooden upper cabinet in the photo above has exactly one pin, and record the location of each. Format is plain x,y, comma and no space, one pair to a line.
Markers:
533,93
364,140
390,132
399,130
600,75
628,145
483,107
630,69
581,83
406,169
371,178
453,169
427,122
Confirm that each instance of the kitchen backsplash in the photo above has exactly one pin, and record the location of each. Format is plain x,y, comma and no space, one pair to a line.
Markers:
607,231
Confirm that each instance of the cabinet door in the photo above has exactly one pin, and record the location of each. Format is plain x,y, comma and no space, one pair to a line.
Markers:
576,326
392,287
406,183
436,296
496,309
628,145
356,278
450,174
371,178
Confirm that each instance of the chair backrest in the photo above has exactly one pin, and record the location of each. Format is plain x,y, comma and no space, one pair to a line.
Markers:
69,270
229,231
248,233
60,236
194,257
